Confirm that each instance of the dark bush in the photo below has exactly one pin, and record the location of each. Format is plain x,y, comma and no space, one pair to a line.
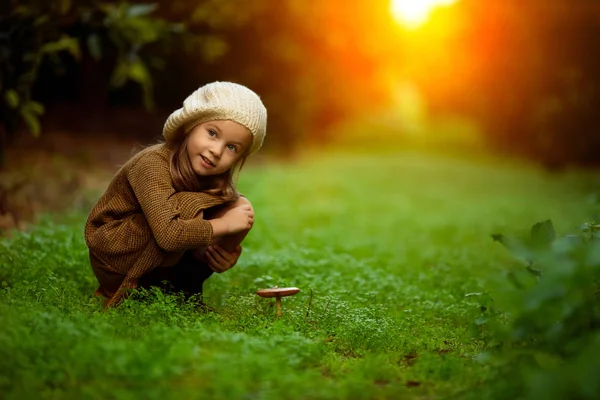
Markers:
543,324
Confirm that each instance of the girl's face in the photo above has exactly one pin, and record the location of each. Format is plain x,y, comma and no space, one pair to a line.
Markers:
215,146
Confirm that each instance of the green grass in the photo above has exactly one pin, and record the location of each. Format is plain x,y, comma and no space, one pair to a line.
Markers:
384,249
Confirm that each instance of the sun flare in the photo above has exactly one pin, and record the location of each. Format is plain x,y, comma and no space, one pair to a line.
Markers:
413,13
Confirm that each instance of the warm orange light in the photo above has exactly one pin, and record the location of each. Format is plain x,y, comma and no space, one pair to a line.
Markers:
413,13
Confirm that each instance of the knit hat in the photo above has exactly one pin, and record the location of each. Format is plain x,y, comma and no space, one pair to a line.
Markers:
220,101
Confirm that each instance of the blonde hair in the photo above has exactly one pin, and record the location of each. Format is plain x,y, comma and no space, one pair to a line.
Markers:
186,180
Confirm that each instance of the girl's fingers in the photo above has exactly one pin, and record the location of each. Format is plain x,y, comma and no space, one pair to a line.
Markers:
219,262
221,254
222,259
213,264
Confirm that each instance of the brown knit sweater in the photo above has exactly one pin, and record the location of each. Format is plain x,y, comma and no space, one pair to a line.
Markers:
141,222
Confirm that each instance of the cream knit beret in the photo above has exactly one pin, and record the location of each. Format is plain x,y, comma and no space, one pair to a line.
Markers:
220,101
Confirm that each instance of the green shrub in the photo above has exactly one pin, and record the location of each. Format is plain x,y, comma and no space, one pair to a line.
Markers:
543,326
39,34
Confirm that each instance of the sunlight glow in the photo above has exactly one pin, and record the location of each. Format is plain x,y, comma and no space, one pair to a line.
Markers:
413,13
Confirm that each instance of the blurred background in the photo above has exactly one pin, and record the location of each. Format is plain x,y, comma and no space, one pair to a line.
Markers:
82,82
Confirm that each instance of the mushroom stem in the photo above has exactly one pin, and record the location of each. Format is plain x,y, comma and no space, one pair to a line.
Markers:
278,302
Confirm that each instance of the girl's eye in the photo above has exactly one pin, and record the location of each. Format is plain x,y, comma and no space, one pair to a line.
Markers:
232,147
212,133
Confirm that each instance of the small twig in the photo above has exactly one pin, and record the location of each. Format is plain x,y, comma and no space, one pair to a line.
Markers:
309,303
326,306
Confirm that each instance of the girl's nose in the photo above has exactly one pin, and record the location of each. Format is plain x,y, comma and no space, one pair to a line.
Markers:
217,149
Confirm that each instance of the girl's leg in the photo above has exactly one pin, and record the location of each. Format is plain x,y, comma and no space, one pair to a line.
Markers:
186,276
190,272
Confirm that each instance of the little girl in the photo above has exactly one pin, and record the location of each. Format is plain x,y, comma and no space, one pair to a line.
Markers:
171,215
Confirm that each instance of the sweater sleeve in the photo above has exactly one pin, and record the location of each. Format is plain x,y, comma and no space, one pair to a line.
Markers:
192,203
150,180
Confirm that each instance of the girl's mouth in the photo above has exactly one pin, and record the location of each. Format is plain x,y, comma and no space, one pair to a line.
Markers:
207,162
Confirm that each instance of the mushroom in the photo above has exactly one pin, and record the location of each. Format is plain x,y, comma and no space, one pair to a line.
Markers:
278,293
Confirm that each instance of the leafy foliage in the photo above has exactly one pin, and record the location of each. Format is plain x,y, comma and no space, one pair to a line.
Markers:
39,33
545,321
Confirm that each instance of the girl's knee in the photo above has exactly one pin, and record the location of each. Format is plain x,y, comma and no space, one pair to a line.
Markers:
241,201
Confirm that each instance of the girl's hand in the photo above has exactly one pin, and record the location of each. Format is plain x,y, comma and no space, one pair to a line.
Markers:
239,218
220,260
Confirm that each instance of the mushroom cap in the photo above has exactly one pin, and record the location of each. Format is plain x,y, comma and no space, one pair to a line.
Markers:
274,292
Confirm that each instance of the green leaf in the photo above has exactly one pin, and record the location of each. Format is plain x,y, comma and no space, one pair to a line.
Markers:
12,98
32,121
543,234
41,20
30,112
65,43
120,74
138,10
94,46
138,72
35,107
517,247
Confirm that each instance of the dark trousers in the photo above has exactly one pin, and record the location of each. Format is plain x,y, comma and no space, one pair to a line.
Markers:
186,276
